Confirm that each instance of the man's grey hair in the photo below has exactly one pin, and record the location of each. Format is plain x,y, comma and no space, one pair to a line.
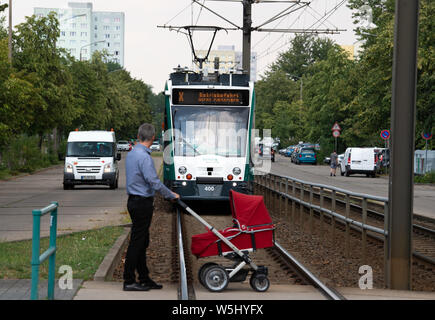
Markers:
146,132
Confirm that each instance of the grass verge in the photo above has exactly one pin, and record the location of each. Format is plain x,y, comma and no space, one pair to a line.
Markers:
83,251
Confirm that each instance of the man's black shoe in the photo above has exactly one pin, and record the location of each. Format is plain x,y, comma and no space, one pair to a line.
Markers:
135,287
151,284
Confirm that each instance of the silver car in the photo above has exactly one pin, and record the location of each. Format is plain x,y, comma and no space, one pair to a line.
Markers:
123,145
155,146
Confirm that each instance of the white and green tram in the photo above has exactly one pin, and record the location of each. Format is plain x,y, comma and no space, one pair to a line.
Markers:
207,138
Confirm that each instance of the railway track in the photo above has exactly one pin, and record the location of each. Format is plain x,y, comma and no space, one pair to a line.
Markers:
283,267
423,235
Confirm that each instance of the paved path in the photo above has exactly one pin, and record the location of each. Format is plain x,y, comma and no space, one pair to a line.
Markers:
424,195
85,207
95,290
20,290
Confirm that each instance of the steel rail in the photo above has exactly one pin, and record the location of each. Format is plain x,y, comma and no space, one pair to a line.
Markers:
183,291
312,279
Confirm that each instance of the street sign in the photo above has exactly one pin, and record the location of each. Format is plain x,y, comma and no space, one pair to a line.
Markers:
336,127
426,136
385,134
335,133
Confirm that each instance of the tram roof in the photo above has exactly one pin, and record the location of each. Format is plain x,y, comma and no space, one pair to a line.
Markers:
184,78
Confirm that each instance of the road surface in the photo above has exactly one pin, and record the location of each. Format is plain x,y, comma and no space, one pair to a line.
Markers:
84,207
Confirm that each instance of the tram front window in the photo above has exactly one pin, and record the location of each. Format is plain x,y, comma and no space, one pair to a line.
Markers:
219,131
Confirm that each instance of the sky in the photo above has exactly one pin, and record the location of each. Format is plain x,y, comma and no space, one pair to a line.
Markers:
151,53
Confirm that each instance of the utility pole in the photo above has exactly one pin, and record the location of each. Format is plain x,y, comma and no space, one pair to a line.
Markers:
401,181
247,25
10,33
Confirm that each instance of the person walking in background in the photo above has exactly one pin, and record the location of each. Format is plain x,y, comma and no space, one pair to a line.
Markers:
334,163
142,183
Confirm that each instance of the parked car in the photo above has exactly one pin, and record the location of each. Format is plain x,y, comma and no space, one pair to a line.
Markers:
340,158
155,146
327,160
282,151
359,160
289,151
123,145
306,155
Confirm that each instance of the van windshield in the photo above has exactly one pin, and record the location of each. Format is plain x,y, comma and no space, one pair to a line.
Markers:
89,149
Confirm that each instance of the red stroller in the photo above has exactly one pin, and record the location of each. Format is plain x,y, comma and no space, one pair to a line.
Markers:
253,229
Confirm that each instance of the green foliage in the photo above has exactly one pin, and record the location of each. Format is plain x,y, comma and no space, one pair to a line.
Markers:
46,90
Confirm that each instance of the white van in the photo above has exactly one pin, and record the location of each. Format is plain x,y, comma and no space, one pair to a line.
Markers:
91,158
359,160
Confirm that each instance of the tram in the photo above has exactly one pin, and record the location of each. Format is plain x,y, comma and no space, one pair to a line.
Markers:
207,134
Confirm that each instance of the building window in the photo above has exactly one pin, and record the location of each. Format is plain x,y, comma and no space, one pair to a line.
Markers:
116,53
108,44
95,27
107,36
73,25
106,27
84,34
106,20
62,33
72,42
116,36
117,28
84,25
72,33
117,44
85,51
95,19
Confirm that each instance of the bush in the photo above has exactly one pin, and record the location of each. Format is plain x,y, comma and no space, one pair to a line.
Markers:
23,155
427,178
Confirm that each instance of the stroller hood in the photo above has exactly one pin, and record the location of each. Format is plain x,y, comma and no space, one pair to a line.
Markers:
249,210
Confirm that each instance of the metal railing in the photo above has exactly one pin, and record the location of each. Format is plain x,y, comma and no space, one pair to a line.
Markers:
50,253
296,191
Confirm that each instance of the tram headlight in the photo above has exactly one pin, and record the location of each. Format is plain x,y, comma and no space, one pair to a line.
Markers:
237,171
182,170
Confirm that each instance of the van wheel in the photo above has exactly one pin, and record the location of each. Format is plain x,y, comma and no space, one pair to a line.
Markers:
112,185
341,172
347,173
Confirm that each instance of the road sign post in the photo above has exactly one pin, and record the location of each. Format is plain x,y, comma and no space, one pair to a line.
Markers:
336,133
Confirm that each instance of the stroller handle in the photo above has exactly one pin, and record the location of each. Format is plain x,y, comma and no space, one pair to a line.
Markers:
181,204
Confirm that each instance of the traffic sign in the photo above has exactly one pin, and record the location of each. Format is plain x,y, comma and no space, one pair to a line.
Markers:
336,127
335,133
385,134
426,136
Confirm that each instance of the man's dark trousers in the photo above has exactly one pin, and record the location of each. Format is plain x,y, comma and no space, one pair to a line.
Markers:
141,213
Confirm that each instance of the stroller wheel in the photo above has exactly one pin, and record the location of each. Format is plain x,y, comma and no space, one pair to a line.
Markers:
202,269
215,278
259,282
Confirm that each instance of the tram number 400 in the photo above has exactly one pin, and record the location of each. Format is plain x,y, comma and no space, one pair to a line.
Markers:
209,188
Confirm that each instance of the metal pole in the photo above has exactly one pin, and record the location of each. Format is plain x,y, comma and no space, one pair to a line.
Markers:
247,24
402,146
425,161
10,33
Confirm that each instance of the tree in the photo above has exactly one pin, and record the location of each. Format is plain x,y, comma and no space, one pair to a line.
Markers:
36,56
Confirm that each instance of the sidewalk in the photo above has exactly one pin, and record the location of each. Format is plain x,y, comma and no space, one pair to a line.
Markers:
13,289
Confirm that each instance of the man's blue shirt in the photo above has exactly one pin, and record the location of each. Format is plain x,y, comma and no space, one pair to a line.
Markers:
142,179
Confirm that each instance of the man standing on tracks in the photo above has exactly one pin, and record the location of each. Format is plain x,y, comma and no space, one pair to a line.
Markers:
142,183
334,163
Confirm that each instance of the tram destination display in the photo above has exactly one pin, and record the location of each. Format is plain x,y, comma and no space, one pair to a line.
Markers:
193,97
